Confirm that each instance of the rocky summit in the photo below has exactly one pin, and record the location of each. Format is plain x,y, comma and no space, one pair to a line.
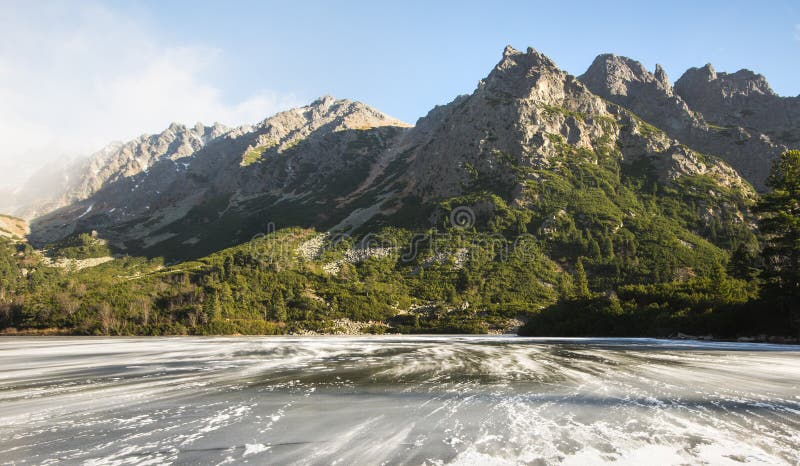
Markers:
735,116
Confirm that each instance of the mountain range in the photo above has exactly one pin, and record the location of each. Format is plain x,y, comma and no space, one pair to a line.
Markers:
338,164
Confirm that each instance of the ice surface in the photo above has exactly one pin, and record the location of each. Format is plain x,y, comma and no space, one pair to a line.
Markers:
400,400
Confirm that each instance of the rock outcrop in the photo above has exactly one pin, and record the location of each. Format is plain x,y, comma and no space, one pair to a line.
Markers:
734,116
59,186
744,100
650,96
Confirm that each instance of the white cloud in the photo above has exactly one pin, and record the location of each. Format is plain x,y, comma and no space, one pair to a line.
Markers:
75,76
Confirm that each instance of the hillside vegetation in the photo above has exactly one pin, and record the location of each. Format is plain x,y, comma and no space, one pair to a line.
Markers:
609,264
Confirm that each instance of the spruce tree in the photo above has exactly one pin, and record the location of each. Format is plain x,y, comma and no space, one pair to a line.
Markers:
581,282
780,224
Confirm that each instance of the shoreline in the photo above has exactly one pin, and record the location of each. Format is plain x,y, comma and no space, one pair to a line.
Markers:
767,340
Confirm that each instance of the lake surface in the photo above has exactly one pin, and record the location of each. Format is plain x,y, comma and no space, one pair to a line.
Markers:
397,400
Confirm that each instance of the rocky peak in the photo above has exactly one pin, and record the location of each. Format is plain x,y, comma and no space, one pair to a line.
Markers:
323,102
208,133
627,82
126,160
745,81
328,109
743,99
531,79
518,66
287,128
199,130
175,127
530,52
699,75
346,111
617,75
523,106
714,113
661,77
696,82
179,144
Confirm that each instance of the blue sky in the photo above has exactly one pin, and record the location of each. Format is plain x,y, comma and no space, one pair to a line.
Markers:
405,57
75,75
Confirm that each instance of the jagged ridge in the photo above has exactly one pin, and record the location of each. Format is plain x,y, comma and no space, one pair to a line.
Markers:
735,116
339,164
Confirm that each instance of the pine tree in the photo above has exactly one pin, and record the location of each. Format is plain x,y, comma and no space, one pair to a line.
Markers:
279,308
608,247
780,224
744,263
566,287
594,249
212,308
721,283
581,282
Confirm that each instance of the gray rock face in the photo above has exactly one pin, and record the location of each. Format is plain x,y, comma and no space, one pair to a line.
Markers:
649,95
745,100
137,156
734,116
697,83
80,179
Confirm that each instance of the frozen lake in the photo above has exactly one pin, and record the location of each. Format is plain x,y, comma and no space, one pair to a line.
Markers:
397,400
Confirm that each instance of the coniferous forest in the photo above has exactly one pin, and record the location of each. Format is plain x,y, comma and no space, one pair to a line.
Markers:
578,272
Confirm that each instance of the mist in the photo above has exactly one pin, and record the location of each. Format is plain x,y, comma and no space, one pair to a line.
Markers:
75,77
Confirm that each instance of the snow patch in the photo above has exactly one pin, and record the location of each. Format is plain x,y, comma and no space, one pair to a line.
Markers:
87,211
